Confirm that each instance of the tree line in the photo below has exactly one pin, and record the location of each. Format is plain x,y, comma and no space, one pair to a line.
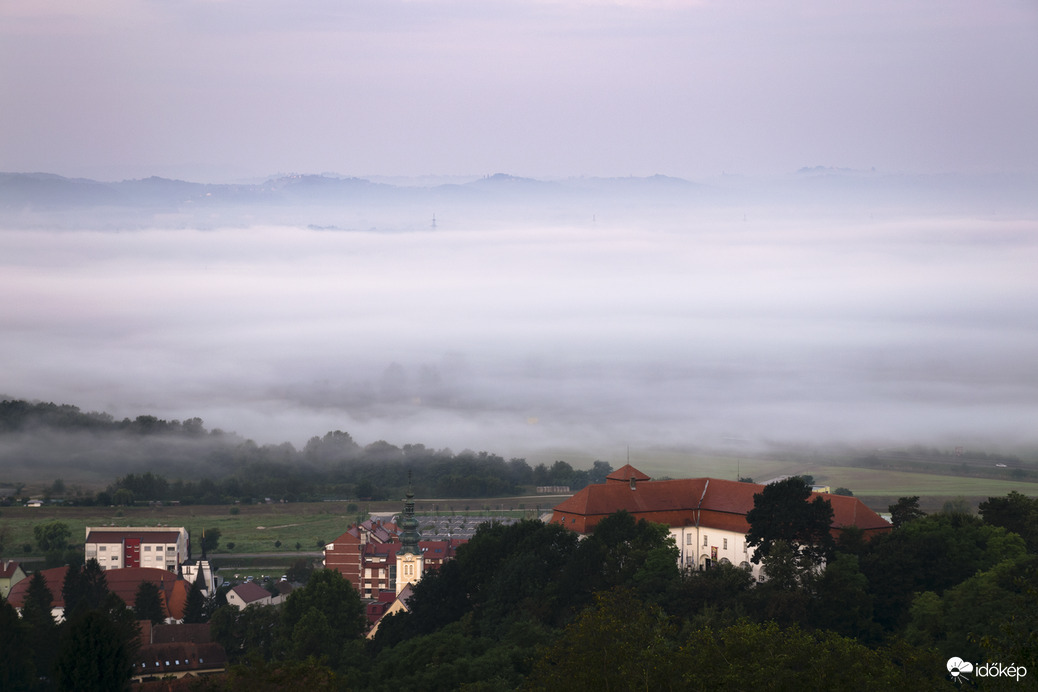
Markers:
230,469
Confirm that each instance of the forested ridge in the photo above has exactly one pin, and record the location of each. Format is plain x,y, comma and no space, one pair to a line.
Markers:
160,460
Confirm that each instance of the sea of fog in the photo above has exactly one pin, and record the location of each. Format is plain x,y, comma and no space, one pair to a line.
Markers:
689,332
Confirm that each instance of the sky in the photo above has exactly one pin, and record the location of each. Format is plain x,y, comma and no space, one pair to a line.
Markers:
714,323
229,90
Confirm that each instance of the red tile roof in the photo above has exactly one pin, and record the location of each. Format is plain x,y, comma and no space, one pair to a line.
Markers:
712,502
625,473
54,578
122,582
198,633
8,568
117,535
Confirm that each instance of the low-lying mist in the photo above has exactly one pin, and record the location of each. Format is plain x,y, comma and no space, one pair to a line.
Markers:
688,328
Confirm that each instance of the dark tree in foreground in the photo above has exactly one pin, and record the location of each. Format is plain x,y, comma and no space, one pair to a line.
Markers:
783,512
148,603
94,655
1015,512
906,509
84,589
36,613
194,608
322,618
16,666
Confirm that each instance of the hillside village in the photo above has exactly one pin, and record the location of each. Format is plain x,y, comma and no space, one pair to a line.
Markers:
701,550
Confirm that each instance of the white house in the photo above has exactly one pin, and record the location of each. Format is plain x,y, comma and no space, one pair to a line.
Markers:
250,593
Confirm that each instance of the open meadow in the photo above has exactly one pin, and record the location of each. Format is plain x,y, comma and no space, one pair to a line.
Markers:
273,530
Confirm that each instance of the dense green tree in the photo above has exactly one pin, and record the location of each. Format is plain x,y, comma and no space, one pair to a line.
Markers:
16,656
620,545
321,618
749,656
210,539
94,655
437,600
528,557
251,631
931,554
258,675
37,615
711,596
52,536
619,643
147,604
195,607
906,509
84,588
843,603
783,511
787,594
1015,512
970,613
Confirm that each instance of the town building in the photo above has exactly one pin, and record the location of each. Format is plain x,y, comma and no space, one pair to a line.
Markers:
706,516
203,569
250,593
372,555
176,651
11,573
136,546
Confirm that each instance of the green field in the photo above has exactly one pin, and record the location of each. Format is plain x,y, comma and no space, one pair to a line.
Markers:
252,529
306,527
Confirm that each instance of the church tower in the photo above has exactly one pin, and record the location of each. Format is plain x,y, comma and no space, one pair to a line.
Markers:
409,559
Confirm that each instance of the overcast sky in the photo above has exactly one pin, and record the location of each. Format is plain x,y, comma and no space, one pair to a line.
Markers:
214,90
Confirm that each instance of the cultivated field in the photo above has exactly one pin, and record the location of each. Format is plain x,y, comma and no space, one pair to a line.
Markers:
251,528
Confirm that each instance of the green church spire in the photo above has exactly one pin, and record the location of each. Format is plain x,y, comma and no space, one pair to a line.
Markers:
409,536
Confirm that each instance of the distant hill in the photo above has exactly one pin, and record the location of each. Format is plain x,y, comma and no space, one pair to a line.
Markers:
31,200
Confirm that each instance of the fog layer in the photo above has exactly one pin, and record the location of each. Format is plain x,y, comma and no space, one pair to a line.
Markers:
698,329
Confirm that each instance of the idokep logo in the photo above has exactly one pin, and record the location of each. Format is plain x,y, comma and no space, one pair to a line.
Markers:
958,669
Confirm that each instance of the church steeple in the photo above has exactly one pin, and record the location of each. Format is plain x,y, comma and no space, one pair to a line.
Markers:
410,536
410,562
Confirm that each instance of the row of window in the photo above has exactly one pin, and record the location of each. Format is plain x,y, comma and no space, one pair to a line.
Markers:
147,548
176,661
706,541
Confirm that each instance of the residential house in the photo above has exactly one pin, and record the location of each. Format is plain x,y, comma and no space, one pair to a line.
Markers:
248,594
10,574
